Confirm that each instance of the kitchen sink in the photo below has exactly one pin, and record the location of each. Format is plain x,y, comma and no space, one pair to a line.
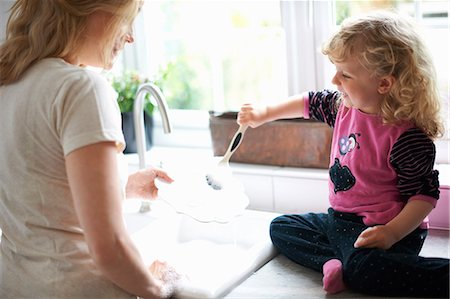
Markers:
212,257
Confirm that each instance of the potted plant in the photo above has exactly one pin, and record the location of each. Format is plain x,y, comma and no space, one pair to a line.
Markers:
126,85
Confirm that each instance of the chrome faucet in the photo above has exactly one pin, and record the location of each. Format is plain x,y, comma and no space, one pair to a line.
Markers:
138,114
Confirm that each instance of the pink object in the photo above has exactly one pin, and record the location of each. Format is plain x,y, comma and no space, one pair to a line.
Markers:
333,281
439,217
366,181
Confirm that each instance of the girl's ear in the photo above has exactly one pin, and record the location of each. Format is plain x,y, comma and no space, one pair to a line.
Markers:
385,84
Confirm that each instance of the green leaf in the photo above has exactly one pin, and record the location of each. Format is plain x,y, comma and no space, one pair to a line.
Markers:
126,86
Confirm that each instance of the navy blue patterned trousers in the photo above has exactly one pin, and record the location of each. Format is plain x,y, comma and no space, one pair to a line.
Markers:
312,239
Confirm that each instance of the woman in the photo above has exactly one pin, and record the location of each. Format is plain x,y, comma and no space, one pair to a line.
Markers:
60,194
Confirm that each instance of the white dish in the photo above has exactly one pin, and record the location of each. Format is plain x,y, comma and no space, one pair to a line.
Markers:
191,195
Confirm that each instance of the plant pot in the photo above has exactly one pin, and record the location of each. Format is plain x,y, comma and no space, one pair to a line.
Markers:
292,143
129,133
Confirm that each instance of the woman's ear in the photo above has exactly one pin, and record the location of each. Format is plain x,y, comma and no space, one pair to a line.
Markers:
385,84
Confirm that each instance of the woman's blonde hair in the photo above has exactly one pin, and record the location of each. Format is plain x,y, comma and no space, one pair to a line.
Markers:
56,28
387,44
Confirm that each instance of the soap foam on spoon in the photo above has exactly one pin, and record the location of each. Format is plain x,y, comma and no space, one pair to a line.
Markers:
219,176
222,173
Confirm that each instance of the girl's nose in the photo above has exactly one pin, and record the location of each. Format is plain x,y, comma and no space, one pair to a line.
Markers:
129,36
335,80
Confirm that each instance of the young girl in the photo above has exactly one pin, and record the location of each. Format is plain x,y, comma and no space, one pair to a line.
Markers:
60,196
382,183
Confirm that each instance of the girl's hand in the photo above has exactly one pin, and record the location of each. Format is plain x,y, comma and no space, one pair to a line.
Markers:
252,116
376,237
141,184
167,277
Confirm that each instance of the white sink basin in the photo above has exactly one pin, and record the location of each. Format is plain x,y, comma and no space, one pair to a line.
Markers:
214,257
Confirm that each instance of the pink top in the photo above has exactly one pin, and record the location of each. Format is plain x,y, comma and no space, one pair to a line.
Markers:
362,178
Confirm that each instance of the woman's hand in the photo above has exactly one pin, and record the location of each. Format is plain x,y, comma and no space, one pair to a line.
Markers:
167,276
379,236
252,116
141,184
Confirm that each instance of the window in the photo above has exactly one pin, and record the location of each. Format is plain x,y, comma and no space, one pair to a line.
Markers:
216,54
213,55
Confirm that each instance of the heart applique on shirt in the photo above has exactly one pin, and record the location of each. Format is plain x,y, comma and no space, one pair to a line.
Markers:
341,176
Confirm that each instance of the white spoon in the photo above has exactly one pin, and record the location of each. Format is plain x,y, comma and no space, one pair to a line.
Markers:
213,179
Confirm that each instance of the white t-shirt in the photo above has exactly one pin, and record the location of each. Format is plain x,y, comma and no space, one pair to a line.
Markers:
53,109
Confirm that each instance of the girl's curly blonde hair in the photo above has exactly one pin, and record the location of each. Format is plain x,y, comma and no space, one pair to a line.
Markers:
55,28
388,44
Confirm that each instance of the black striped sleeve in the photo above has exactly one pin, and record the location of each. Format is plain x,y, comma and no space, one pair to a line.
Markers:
412,157
322,106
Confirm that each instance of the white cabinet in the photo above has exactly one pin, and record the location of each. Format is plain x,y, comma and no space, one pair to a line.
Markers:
259,190
299,195
284,189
